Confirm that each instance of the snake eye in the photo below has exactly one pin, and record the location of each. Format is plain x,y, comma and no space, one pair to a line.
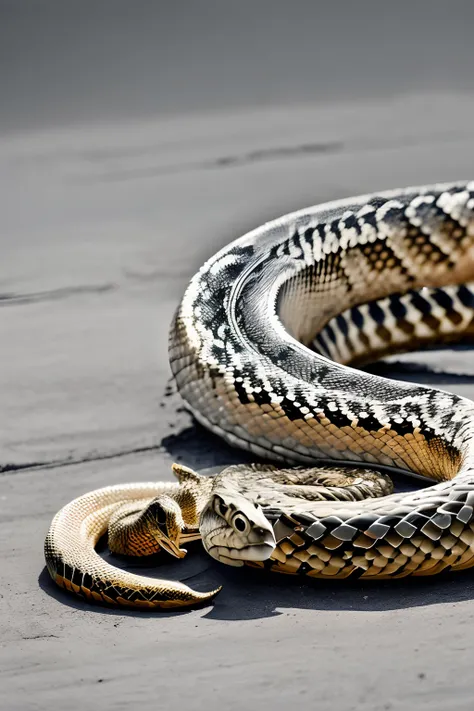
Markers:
220,507
156,511
240,523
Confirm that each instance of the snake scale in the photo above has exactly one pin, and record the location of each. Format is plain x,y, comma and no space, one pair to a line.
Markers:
260,348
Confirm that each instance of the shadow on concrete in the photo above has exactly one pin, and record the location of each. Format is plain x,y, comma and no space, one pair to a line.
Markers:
445,372
250,594
200,449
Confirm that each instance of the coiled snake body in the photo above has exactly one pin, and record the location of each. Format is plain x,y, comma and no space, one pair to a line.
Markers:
260,348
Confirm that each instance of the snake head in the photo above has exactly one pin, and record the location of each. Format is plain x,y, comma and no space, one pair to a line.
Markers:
167,524
234,530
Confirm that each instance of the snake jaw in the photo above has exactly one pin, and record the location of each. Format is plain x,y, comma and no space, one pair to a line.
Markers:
171,546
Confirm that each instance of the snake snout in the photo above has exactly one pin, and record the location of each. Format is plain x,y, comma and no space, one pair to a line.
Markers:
261,545
235,530
261,542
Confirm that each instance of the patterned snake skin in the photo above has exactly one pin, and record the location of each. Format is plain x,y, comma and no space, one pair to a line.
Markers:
260,348
354,279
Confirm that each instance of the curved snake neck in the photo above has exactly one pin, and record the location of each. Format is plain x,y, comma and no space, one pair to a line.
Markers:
260,348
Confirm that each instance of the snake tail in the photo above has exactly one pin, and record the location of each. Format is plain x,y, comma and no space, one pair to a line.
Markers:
74,564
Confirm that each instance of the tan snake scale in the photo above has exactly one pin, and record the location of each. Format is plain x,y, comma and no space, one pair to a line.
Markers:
260,349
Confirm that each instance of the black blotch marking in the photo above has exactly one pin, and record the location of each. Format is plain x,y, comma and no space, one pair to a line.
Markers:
369,218
397,308
338,418
272,255
357,317
342,324
309,236
466,297
77,577
395,216
297,241
87,581
247,251
291,411
350,223
320,229
330,333
232,271
377,202
420,303
286,248
376,312
241,393
217,351
262,397
442,299
283,354
319,344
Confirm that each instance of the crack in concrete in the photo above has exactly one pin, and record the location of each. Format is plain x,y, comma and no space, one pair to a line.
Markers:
10,468
53,294
229,161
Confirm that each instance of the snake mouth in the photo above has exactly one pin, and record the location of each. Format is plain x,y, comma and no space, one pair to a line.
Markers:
171,547
252,552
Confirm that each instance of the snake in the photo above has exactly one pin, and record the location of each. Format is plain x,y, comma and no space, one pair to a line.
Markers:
266,349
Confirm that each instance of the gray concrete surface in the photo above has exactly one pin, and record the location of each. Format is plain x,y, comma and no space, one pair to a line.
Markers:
135,140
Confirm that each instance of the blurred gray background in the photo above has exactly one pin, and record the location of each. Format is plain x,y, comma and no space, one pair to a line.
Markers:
71,61
136,138
68,61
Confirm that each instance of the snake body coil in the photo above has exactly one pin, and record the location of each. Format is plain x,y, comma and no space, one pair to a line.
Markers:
260,348
239,353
